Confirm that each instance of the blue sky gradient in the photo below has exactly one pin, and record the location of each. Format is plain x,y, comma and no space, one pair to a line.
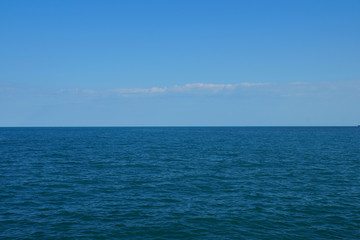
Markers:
179,63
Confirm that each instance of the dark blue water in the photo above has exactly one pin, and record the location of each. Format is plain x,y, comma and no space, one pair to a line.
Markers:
180,183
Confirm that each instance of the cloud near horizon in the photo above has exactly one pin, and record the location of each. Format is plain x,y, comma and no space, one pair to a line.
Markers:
292,89
299,103
295,89
194,88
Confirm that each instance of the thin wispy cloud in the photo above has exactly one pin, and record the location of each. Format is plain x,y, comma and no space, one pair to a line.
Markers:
138,90
278,89
195,88
213,87
295,89
191,88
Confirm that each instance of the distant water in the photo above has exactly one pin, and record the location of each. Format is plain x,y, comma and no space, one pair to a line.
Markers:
180,183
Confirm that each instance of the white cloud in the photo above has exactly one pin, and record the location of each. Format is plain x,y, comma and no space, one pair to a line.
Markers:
279,89
190,87
187,88
194,88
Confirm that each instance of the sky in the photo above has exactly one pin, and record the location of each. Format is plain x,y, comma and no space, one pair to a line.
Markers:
179,63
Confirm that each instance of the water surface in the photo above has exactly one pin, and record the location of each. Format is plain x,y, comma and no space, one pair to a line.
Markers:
180,183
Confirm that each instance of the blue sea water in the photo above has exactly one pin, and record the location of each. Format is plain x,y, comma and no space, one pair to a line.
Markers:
180,183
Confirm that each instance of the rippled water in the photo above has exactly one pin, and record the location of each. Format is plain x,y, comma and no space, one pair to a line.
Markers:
180,183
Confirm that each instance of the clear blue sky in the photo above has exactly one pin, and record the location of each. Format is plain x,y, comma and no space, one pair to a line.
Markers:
179,63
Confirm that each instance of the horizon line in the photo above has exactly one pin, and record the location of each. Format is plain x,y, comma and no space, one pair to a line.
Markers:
175,126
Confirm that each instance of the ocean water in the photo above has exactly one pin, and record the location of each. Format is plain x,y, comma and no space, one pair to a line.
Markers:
180,183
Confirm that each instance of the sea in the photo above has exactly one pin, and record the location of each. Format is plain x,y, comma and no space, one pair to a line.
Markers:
180,183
